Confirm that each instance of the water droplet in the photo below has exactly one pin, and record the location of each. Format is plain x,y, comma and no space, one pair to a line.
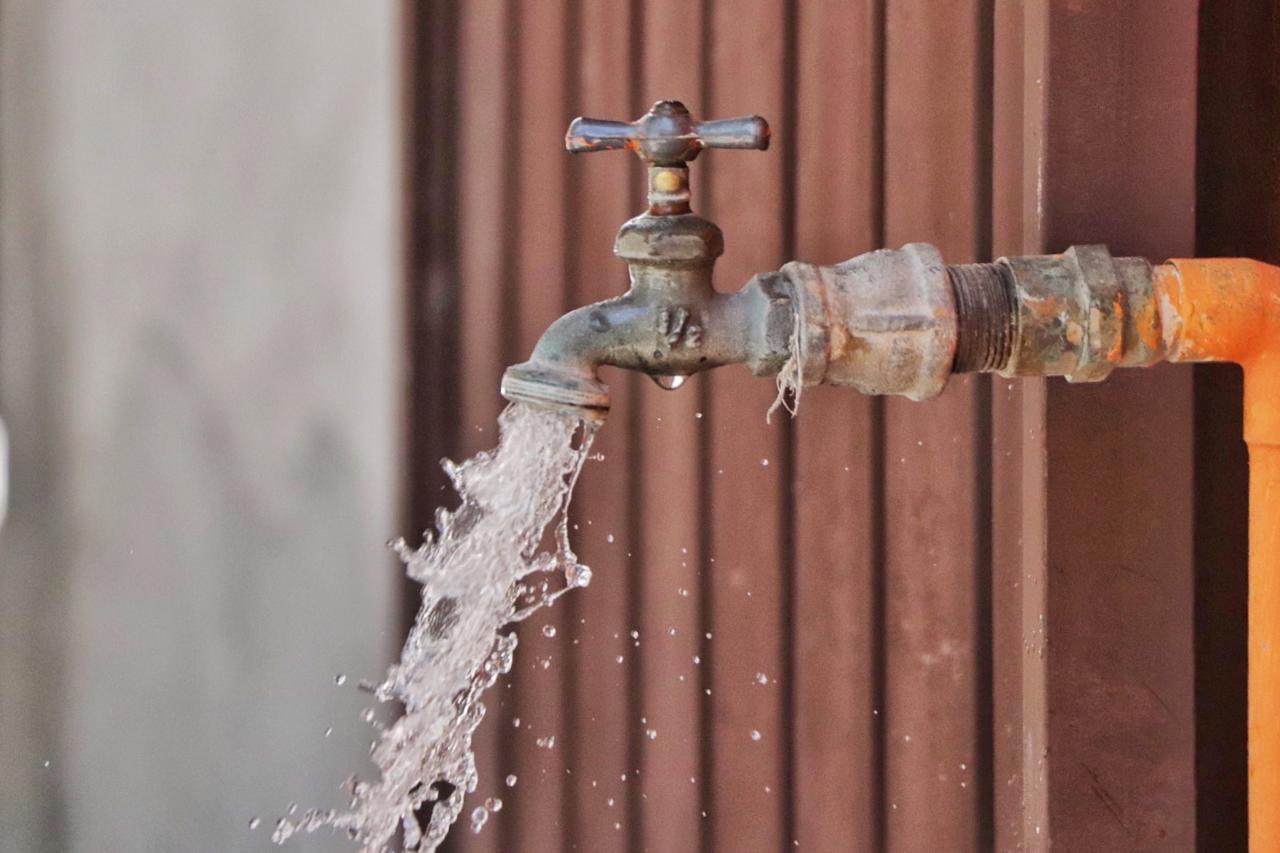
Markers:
339,679
617,825
493,804
511,780
619,658
255,822
478,818
764,462
515,722
577,575
548,631
635,635
697,414
651,734
609,538
761,678
671,382
609,802
697,659
755,734
328,731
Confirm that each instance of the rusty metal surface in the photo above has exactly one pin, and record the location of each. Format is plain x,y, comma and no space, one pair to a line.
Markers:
537,290
1107,748
944,542
671,323
667,135
749,805
837,481
936,492
883,322
482,195
597,197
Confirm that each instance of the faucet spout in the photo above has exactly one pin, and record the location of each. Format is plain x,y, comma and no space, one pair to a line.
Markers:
667,333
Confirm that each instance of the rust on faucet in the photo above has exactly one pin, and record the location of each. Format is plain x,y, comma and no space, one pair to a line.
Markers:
672,322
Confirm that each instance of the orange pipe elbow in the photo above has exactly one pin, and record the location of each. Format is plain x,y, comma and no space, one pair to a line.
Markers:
1229,310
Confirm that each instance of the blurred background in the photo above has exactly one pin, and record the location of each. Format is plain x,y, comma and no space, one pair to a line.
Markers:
201,371
262,265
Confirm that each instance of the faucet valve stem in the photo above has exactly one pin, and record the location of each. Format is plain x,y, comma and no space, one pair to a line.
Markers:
667,138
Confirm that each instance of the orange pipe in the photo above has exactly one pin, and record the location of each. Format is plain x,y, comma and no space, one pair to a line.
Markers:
1229,310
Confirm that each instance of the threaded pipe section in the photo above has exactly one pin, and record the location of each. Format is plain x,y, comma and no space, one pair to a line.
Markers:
984,316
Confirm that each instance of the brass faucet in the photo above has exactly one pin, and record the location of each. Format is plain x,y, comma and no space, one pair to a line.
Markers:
671,323
886,322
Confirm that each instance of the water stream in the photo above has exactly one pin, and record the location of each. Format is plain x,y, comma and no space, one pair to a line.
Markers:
485,567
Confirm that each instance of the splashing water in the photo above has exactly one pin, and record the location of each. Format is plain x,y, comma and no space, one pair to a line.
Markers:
482,570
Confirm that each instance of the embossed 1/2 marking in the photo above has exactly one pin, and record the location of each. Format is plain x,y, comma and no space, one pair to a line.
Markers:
674,325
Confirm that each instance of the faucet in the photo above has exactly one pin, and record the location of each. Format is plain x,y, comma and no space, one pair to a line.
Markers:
886,322
894,321
902,322
671,323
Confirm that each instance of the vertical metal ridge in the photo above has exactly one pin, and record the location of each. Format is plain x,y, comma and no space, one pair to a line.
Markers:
635,486
787,602
984,124
984,736
570,254
706,589
983,436
430,266
879,594
878,509
878,167
510,320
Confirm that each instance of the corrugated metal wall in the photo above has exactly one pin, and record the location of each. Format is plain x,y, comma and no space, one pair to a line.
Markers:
973,617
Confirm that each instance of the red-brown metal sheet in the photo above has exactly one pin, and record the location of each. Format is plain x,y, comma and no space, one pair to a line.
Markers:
483,200
747,459
1238,215
836,749
602,715
997,135
1102,690
675,668
1120,166
935,706
535,749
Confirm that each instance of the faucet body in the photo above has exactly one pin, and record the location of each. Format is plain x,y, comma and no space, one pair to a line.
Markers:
672,322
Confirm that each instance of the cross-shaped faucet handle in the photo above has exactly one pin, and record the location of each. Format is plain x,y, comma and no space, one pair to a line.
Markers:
667,135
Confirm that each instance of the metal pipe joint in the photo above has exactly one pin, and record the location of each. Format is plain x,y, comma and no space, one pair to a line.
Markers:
900,322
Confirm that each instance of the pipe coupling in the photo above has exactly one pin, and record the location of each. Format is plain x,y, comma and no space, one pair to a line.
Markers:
1080,314
883,322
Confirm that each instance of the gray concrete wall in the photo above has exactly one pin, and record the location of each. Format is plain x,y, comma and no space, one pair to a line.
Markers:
199,369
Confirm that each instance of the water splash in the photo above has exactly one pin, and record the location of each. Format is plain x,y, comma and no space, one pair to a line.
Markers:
484,568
